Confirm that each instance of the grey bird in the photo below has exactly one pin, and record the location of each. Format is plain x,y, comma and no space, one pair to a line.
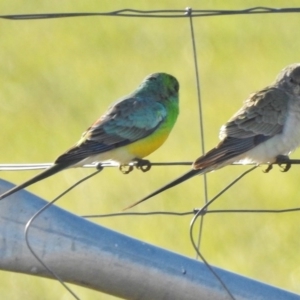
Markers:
265,130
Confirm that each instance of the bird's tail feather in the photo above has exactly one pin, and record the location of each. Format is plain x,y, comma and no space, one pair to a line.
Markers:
171,184
48,172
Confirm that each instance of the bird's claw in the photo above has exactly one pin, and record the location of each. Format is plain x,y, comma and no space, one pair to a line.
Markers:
283,160
286,167
143,164
268,169
280,160
126,169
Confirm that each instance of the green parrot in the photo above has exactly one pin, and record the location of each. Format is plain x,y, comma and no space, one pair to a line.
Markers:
132,128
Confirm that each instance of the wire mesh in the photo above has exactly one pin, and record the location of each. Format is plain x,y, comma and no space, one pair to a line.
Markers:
164,14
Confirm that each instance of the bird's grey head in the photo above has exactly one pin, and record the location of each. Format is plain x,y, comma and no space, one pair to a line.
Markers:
161,84
289,79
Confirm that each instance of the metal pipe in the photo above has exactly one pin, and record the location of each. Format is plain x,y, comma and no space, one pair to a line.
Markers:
89,255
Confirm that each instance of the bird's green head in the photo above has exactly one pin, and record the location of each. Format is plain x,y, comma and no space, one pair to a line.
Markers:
289,79
162,85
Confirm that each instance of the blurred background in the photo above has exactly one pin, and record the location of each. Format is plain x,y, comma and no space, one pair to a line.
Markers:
58,76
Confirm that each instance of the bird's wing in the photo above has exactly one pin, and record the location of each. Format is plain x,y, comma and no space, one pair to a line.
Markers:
263,113
261,117
125,122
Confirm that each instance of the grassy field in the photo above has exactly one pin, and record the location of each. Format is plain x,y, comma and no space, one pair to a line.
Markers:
58,76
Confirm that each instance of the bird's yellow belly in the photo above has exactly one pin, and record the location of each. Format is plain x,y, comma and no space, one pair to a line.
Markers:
146,146
126,154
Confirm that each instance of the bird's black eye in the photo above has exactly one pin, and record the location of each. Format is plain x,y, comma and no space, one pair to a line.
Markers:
152,78
292,80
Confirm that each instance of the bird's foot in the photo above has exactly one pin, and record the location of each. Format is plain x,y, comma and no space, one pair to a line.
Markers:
126,169
143,164
280,160
283,160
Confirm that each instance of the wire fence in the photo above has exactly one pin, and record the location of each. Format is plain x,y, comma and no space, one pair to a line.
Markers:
170,13
195,213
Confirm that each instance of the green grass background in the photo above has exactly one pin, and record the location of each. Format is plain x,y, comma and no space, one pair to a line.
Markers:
58,76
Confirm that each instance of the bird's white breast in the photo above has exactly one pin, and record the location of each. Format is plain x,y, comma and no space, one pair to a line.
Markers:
280,144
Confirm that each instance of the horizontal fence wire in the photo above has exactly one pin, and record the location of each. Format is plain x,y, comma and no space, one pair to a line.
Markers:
169,13
38,166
